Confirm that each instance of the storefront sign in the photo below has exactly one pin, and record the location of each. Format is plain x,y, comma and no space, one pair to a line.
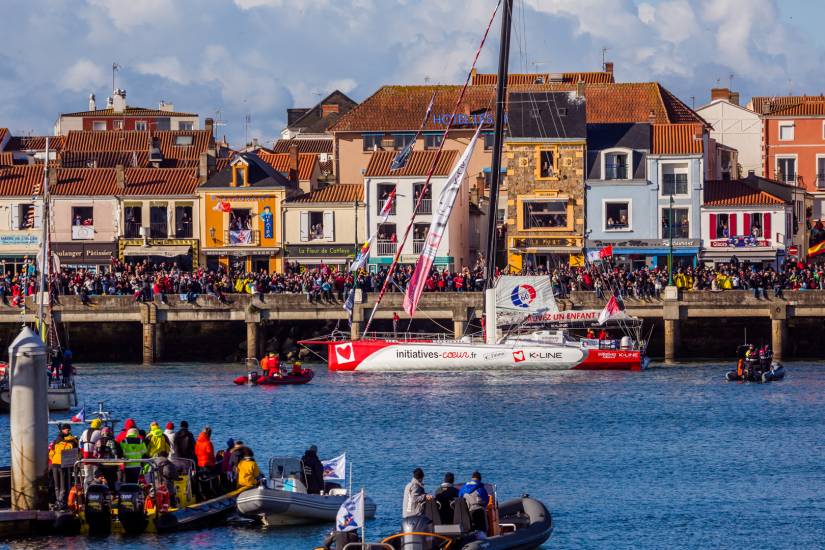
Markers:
19,238
266,217
540,242
85,253
644,243
739,242
320,250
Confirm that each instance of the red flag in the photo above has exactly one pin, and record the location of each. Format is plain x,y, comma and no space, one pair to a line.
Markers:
611,309
606,252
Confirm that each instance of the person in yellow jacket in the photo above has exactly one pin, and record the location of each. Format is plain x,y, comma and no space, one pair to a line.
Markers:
247,471
62,473
156,441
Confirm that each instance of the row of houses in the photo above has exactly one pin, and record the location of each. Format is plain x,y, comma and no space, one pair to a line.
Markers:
588,163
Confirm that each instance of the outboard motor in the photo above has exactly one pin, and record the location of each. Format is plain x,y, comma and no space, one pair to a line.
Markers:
416,524
626,342
98,510
130,508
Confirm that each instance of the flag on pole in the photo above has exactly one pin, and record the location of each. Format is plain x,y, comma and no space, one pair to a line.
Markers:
606,252
335,468
349,304
387,210
351,513
363,255
593,256
446,200
80,416
612,308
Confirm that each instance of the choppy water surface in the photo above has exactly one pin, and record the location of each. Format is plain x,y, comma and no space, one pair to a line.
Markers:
667,458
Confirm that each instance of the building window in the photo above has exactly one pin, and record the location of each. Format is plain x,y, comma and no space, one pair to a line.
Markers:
387,239
158,226
756,225
240,227
820,172
399,141
384,193
539,214
617,216
183,221
184,141
615,166
83,223
722,226
547,164
786,131
117,125
133,215
240,175
189,126
372,142
433,141
674,179
786,169
680,227
489,138
99,126
25,216
316,226
426,206
140,126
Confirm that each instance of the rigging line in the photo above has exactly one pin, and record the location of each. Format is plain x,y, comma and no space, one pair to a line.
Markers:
431,170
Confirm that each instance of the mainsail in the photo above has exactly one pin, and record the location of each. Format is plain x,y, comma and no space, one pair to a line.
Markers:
518,297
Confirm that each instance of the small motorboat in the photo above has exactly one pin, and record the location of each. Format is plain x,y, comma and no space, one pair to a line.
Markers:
290,378
516,524
282,498
755,366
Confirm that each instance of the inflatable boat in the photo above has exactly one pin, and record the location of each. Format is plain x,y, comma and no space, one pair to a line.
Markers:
288,379
775,373
283,499
754,365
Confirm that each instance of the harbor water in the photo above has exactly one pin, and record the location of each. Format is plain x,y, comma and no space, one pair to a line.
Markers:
667,458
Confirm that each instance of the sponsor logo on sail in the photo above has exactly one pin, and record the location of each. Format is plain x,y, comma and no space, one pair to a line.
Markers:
523,295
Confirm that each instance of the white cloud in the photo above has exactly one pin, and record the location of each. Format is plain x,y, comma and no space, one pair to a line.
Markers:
127,14
167,67
83,75
647,13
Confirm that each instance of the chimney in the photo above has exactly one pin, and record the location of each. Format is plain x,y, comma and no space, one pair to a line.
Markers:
751,173
293,162
480,184
92,105
119,100
53,178
203,167
720,93
328,109
651,118
209,126
120,176
608,67
580,88
166,107
734,98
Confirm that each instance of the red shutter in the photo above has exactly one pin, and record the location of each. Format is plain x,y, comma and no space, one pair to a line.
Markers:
712,226
766,226
746,226
732,224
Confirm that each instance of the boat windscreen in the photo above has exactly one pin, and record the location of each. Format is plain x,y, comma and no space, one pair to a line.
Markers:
285,467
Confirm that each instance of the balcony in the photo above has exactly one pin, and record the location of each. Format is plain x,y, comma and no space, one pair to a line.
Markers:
242,237
158,230
615,171
387,248
183,230
381,203
426,206
418,246
83,232
132,230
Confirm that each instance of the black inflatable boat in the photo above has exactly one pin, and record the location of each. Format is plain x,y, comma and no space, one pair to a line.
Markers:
759,368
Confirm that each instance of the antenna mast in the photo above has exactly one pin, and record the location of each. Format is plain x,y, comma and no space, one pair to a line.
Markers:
115,69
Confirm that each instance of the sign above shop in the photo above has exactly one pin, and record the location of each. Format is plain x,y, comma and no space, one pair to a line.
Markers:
19,238
543,242
320,250
644,243
85,253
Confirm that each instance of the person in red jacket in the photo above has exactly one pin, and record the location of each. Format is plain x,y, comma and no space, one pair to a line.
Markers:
204,452
127,425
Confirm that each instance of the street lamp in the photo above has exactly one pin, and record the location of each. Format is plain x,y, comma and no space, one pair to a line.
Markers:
670,249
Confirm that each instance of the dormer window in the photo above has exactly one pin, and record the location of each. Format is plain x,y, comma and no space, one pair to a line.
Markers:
240,175
184,141
616,166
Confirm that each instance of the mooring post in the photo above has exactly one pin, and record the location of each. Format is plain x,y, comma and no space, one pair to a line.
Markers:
357,315
671,315
29,422
149,319
460,319
779,327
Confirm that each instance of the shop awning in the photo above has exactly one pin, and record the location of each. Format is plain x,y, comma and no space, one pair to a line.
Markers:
163,251
743,253
241,252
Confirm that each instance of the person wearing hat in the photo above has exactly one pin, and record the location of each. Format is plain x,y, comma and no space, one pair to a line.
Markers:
475,494
249,475
313,470
133,448
156,440
87,446
169,432
62,473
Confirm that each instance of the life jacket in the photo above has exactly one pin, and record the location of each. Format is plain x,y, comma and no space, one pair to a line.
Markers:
64,444
104,447
133,448
86,443
156,442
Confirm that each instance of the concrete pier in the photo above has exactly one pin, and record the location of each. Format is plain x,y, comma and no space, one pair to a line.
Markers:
252,340
149,331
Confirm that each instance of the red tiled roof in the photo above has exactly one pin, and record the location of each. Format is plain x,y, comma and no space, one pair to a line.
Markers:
599,77
768,104
3,133
128,112
35,143
736,193
337,192
304,145
6,159
326,166
103,159
85,182
808,108
200,143
677,111
222,163
677,139
20,181
280,162
417,165
139,182
107,141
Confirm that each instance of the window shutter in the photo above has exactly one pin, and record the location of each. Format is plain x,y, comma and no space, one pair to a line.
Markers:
766,226
746,225
732,224
38,215
15,216
712,221
304,226
329,225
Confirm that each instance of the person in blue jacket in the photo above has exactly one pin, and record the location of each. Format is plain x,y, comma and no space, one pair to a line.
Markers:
477,498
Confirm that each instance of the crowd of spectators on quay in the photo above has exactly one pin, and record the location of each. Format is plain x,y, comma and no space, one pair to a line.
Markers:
143,281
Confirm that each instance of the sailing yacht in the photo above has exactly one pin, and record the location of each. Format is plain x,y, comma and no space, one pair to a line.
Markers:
523,327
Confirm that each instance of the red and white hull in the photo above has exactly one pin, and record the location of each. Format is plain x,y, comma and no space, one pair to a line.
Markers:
432,355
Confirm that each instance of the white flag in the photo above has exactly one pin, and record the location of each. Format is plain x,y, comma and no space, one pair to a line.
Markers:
351,513
335,468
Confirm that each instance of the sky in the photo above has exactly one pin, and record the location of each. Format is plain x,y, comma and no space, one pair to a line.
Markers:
229,58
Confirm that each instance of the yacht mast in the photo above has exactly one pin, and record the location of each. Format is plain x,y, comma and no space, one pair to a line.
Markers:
498,138
45,267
